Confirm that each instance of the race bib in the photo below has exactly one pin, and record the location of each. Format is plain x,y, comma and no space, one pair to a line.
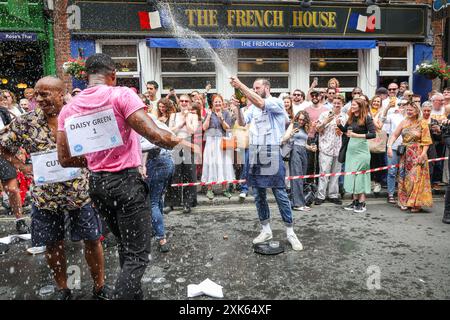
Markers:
93,132
46,169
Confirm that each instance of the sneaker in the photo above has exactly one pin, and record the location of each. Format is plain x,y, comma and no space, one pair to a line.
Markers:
304,208
227,194
318,201
360,207
36,250
242,196
263,237
166,210
210,194
105,293
21,227
337,201
165,247
186,209
63,294
295,243
377,188
352,206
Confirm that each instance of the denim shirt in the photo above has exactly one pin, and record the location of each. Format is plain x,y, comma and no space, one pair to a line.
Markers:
267,126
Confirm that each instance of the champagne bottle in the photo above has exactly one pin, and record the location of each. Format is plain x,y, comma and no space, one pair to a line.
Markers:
241,97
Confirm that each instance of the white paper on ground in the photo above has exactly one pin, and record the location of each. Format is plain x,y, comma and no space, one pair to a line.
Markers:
207,287
9,239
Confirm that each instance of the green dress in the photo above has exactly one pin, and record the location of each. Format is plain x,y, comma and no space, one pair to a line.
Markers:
357,159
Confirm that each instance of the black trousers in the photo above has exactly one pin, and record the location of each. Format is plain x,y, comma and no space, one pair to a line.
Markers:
123,200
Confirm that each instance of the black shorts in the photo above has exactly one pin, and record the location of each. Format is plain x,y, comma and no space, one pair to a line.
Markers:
7,171
48,227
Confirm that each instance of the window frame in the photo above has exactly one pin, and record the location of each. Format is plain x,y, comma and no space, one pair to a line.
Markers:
118,42
174,74
266,74
334,74
409,61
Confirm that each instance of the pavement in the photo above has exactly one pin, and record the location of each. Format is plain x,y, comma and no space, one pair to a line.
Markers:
381,254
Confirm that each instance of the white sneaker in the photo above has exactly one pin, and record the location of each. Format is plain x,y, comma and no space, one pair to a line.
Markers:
242,196
295,243
377,188
36,250
304,208
263,237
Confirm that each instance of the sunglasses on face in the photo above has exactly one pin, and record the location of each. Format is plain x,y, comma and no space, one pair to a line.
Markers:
392,89
296,94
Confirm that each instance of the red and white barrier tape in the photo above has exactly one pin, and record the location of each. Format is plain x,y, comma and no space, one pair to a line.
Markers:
193,184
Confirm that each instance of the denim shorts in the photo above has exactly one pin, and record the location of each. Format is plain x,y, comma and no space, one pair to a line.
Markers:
48,226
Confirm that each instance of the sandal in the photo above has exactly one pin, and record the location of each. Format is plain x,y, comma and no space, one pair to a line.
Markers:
391,199
403,208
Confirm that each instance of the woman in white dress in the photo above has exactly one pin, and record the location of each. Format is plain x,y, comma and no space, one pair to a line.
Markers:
217,163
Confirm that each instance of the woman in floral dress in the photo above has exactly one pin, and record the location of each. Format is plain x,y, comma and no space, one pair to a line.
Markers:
414,187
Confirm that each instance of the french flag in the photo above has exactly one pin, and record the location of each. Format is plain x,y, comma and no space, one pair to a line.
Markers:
149,20
362,23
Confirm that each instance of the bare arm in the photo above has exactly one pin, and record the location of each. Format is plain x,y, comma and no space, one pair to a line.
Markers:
8,156
288,133
192,123
146,127
394,136
252,96
64,157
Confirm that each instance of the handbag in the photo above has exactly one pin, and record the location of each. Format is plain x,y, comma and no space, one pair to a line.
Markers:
401,150
286,150
378,144
228,143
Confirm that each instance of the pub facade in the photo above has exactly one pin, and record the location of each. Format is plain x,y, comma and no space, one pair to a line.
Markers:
186,44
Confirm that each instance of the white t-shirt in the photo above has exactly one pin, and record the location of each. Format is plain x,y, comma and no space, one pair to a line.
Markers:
296,108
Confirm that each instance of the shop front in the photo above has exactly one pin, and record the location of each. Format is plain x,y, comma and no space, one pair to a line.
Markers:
26,45
186,45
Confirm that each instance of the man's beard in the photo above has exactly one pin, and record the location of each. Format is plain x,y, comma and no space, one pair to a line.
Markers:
263,95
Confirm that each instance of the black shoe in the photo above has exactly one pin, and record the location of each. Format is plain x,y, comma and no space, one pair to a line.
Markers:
186,209
318,201
446,218
4,248
352,206
105,293
63,294
336,201
166,210
360,207
21,227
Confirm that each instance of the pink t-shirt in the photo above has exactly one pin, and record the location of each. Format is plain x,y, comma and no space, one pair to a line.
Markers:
314,114
124,102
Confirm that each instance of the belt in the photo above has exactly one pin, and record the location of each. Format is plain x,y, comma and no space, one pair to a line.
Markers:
106,173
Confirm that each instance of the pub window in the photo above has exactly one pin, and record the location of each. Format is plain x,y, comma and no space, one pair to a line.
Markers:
272,64
340,64
124,56
187,70
395,63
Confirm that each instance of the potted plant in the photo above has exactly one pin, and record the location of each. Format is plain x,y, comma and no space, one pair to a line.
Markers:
76,68
429,69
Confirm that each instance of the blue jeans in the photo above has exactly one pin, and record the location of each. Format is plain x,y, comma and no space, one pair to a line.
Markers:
392,173
284,205
159,171
244,173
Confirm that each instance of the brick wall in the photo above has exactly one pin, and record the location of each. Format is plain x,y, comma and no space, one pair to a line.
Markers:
62,40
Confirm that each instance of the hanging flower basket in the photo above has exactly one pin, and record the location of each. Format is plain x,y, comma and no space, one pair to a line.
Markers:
433,69
75,68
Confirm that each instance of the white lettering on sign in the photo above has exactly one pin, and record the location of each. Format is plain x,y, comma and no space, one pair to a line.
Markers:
47,169
92,132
